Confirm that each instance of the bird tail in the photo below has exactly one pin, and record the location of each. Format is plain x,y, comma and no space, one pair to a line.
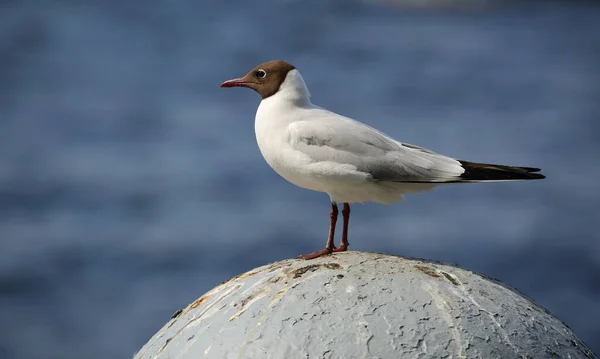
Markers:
489,172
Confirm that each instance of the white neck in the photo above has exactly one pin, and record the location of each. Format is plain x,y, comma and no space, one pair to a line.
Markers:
276,112
292,89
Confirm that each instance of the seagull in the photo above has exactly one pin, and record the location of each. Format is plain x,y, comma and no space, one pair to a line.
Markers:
319,150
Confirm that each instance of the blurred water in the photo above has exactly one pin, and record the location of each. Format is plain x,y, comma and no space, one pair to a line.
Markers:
130,183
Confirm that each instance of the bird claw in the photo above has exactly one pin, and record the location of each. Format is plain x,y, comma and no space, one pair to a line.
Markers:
316,254
342,248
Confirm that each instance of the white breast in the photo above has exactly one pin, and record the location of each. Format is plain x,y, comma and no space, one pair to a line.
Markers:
273,117
341,181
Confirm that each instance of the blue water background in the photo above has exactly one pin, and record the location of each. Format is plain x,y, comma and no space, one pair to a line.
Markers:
130,183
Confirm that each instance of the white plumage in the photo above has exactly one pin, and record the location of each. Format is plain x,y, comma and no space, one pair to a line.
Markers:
320,150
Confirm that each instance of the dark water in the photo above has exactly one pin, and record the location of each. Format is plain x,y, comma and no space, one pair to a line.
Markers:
130,183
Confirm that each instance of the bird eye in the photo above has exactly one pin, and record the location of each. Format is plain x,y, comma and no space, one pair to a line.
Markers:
261,74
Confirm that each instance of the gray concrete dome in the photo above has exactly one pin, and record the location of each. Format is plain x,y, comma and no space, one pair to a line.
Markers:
363,305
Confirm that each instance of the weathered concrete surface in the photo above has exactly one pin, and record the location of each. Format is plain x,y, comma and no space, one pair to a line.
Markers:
363,305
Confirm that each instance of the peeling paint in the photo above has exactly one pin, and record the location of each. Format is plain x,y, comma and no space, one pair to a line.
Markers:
297,273
430,272
448,314
278,296
451,278
380,307
177,313
201,300
247,302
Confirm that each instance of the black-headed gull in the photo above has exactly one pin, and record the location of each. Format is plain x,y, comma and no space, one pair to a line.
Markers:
320,150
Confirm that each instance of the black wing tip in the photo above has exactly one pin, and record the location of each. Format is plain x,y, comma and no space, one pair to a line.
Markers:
530,169
536,175
489,172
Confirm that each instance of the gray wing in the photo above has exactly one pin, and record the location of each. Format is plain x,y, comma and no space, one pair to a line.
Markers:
328,137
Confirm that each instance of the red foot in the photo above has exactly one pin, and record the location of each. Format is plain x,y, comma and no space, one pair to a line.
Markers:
341,248
316,254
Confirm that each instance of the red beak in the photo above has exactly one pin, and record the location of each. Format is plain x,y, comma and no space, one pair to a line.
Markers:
234,83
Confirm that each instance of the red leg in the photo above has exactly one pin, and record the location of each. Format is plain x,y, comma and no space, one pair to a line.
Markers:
329,246
346,215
